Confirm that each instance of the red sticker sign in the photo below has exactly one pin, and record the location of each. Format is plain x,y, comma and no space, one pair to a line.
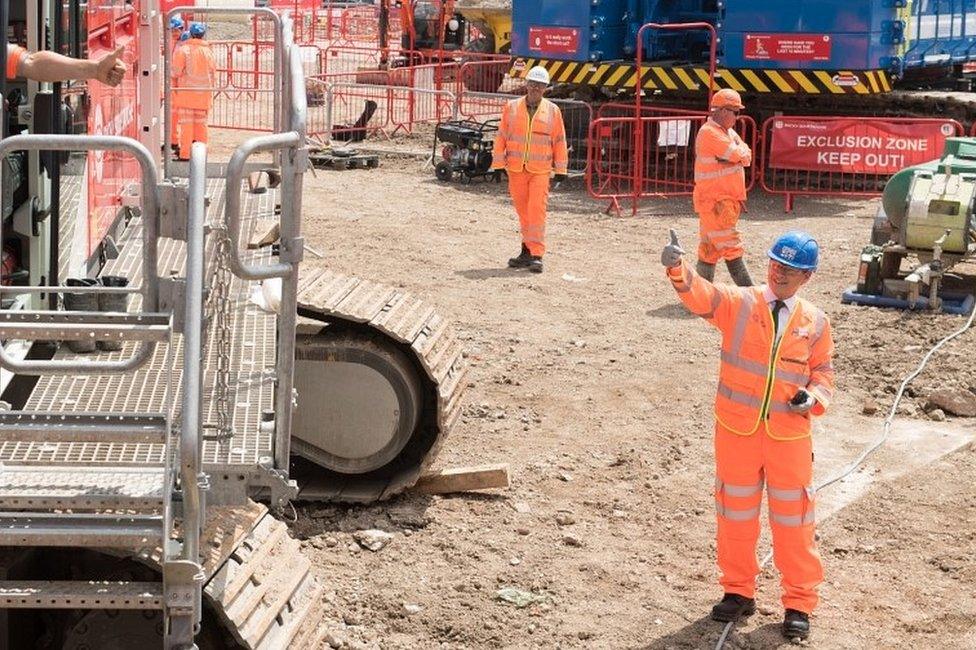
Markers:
554,40
787,47
854,146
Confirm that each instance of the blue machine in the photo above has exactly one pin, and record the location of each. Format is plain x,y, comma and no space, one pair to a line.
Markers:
809,47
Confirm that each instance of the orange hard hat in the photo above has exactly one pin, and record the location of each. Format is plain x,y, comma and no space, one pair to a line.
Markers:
727,98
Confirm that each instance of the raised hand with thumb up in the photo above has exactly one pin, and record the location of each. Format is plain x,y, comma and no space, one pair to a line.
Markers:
110,69
671,255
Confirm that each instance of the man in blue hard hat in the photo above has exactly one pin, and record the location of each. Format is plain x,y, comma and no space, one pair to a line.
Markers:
177,35
776,375
194,81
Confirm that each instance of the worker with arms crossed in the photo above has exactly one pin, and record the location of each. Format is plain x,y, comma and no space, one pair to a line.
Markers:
194,79
530,145
52,67
776,374
720,188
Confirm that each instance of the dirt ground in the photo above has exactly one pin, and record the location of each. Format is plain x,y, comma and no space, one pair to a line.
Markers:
596,388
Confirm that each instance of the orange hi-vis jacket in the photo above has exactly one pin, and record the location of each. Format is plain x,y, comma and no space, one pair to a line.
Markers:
759,375
194,67
720,159
535,144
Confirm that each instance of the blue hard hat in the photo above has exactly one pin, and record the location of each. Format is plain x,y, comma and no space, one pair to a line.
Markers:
197,30
176,22
185,36
796,249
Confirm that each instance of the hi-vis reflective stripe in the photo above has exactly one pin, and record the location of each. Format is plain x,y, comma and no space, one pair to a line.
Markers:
737,515
760,369
785,495
793,521
684,79
728,171
748,400
738,490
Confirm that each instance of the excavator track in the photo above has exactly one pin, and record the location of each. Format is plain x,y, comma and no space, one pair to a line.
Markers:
349,309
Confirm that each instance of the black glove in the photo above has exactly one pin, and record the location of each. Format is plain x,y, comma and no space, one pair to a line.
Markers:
559,178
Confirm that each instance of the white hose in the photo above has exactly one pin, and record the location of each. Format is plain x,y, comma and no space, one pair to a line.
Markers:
871,448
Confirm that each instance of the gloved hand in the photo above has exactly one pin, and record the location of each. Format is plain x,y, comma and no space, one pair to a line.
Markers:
802,402
671,255
560,178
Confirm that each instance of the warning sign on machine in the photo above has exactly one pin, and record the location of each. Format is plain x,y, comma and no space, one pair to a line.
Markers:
787,47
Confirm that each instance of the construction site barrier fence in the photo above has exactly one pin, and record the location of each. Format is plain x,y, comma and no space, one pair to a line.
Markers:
845,156
631,158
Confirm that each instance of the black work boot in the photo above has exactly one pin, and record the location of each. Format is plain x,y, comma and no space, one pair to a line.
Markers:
739,272
521,260
733,607
796,624
535,264
705,270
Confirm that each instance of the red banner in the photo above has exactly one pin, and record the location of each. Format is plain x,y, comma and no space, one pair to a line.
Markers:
855,146
787,47
113,111
554,40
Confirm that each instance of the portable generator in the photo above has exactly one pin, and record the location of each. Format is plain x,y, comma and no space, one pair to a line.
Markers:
465,150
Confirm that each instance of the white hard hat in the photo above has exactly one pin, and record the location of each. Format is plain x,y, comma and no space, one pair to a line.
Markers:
538,73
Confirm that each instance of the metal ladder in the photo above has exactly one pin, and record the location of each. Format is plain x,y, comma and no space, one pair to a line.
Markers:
127,509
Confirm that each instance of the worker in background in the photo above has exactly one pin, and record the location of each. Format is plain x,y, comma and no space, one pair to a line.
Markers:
194,79
775,376
720,188
530,145
52,67
177,35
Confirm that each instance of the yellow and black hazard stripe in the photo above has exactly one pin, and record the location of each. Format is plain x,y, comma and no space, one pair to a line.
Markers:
623,76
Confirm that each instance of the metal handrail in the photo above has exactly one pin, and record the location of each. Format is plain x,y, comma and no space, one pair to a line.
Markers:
279,50
150,286
190,439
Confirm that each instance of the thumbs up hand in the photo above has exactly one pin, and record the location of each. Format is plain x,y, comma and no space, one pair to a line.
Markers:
110,69
671,255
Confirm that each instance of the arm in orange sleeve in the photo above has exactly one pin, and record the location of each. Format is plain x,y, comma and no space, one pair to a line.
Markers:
821,384
15,56
179,63
560,152
722,146
701,297
500,142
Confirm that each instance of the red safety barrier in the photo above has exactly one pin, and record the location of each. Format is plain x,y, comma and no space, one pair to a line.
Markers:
661,165
845,156
245,88
487,76
620,109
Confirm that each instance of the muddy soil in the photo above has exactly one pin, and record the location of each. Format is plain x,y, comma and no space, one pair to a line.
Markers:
595,386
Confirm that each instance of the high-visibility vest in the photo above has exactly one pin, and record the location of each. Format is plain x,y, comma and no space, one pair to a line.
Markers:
535,143
194,67
720,158
759,374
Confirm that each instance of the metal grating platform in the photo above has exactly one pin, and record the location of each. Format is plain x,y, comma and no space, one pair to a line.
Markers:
88,487
149,390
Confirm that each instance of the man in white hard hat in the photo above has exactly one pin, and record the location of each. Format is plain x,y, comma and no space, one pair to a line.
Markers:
530,146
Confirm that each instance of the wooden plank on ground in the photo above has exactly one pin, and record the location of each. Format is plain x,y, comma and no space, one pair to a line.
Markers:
266,232
463,479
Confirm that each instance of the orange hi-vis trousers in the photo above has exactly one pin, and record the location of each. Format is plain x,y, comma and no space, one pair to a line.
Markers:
530,194
718,238
742,465
174,131
193,128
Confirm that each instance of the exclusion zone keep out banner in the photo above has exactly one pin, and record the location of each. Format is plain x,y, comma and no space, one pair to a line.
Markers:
855,146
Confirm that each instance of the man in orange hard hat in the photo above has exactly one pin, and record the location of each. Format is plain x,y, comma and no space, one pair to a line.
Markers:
720,188
194,79
530,145
776,374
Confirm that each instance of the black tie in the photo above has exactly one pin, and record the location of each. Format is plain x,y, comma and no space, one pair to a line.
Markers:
777,305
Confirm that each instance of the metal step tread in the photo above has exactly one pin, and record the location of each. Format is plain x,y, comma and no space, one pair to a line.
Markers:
54,426
106,530
66,594
77,325
39,486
